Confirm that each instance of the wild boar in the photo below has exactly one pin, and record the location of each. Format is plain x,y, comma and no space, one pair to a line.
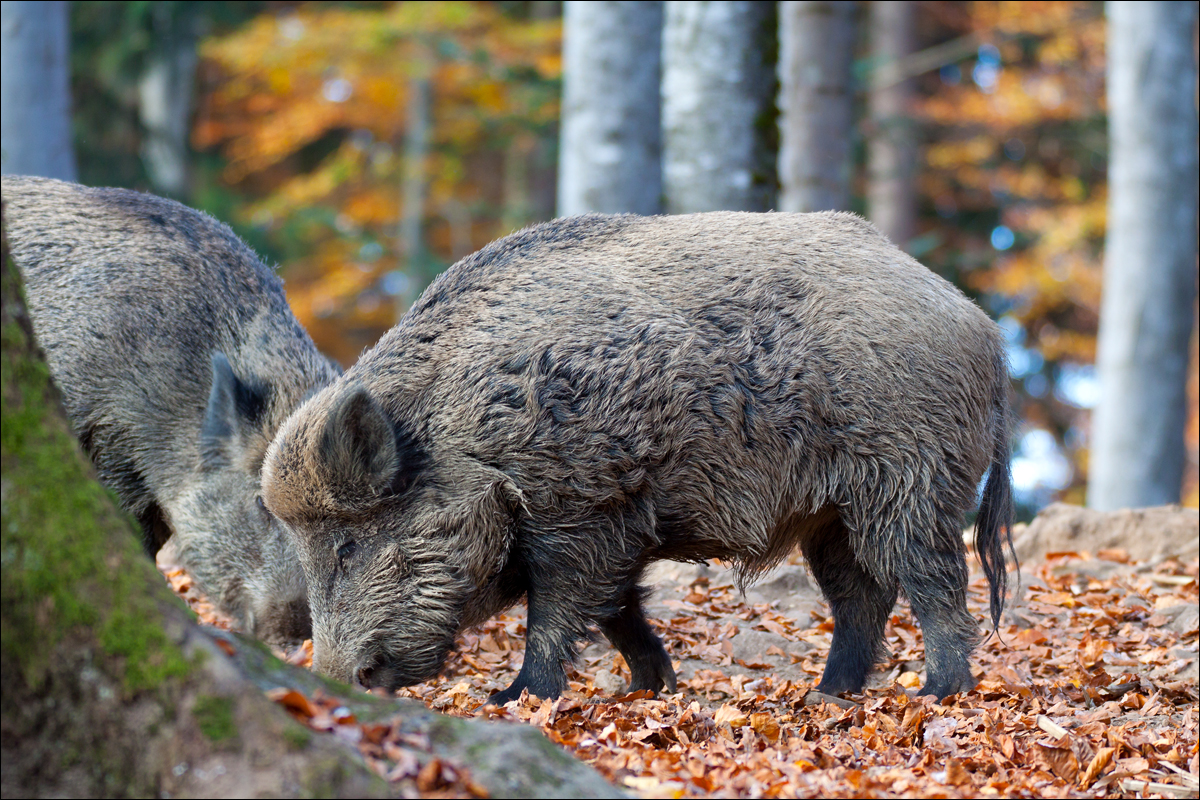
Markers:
178,358
586,396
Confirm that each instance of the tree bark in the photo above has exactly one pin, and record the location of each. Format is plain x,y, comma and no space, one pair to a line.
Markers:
416,148
717,90
165,91
35,95
816,51
1146,312
892,146
610,157
109,688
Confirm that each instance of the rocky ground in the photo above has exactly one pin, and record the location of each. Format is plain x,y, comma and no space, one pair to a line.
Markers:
1089,689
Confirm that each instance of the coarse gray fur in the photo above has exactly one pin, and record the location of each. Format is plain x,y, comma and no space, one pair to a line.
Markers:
588,395
178,359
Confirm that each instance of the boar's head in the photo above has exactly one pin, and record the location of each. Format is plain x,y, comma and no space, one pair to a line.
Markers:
397,540
241,556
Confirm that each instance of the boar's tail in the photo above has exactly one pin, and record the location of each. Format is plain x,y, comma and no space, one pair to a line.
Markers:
993,525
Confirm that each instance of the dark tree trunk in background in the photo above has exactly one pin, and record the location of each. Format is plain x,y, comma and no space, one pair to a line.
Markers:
1146,315
165,92
717,90
816,124
610,152
35,94
892,145
543,160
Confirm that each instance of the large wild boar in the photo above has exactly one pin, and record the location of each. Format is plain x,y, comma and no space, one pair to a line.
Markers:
581,398
178,358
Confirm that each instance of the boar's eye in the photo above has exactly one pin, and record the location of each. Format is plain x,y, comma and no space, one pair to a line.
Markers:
346,551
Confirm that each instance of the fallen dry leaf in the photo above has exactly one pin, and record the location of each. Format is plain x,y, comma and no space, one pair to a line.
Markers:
1087,691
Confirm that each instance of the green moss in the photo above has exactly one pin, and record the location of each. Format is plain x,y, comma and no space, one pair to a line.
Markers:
214,715
296,737
324,776
68,555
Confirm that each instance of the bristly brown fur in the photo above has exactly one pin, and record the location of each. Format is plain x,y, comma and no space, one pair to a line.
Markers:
590,394
178,358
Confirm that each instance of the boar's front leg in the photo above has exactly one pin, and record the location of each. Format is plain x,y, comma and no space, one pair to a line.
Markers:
649,665
552,626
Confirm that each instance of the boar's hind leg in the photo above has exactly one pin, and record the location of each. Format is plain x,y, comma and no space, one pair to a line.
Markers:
649,665
860,605
935,582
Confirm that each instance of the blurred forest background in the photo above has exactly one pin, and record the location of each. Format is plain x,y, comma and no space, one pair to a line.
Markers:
364,147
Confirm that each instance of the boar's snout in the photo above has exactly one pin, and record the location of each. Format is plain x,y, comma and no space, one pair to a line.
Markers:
374,673
283,623
371,670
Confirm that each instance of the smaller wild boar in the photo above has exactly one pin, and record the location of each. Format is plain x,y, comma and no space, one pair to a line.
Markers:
178,358
589,395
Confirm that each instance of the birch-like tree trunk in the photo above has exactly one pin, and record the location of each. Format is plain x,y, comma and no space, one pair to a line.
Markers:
610,154
716,89
816,123
35,93
892,146
416,147
1146,317
165,92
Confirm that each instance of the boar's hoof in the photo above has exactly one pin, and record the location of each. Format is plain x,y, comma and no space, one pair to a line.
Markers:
838,679
511,693
943,686
654,673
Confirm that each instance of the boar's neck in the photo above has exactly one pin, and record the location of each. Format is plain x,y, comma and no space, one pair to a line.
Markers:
505,589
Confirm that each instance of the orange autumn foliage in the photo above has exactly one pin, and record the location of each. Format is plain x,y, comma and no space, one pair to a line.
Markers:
1029,140
310,111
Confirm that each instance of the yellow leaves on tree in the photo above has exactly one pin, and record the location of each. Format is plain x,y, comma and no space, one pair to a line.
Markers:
998,145
311,110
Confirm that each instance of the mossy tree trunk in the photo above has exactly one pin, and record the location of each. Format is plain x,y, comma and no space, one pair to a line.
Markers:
109,688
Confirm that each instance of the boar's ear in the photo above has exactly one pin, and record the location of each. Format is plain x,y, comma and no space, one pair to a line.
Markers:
234,406
357,448
488,523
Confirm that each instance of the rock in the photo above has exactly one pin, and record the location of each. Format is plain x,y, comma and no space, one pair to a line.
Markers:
609,683
752,645
1184,619
815,698
1147,534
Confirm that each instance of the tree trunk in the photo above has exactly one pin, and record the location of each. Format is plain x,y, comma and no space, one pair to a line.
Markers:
1150,256
35,94
717,89
516,212
610,153
416,147
109,688
165,92
816,50
892,147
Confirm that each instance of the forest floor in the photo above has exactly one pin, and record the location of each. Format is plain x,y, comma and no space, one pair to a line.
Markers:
1089,690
